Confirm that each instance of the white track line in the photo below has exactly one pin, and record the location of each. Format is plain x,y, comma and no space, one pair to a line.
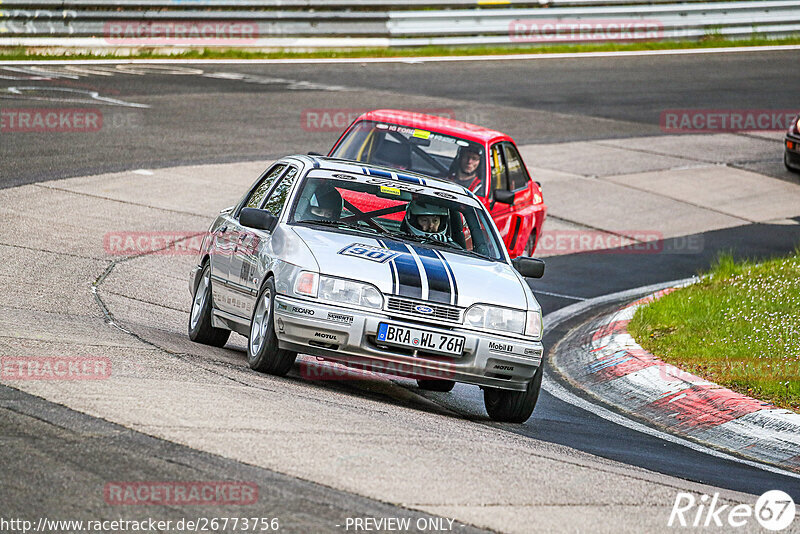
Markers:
554,388
432,59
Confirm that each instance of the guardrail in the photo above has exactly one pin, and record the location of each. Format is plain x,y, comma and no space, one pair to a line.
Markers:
345,23
114,5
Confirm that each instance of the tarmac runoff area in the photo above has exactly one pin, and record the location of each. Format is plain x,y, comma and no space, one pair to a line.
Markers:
602,359
69,293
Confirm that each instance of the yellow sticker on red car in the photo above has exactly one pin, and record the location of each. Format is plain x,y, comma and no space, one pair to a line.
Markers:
422,134
390,190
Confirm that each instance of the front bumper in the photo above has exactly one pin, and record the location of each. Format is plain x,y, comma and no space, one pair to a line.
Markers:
791,146
349,336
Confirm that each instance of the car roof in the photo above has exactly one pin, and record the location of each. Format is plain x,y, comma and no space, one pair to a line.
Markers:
389,173
442,125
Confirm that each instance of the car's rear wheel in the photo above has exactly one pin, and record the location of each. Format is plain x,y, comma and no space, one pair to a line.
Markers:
200,329
263,353
530,246
436,385
513,406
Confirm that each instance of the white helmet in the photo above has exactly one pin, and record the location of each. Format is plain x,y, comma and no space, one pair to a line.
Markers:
418,208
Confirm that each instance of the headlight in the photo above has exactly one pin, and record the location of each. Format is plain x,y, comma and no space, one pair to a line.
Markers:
533,324
796,126
348,292
488,317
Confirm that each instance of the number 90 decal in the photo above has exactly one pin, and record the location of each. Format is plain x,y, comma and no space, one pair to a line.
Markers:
368,252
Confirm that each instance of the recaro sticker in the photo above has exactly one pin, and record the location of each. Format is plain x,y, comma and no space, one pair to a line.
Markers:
390,190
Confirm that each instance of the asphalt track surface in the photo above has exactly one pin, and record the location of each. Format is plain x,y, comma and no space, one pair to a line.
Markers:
255,111
257,114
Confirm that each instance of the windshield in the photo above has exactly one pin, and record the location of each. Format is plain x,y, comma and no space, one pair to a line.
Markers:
385,208
413,149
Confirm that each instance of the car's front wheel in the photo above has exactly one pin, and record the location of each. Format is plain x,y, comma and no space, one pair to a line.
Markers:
200,329
436,385
513,406
263,353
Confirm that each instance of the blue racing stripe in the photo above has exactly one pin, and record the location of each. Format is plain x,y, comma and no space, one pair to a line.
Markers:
452,276
383,174
408,275
438,281
411,179
392,268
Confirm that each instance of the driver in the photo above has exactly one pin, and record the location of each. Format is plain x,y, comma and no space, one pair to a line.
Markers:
467,165
325,204
427,220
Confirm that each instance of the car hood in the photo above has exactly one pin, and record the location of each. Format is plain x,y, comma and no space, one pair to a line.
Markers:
415,271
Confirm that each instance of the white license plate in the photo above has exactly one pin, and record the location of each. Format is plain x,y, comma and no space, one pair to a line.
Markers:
424,340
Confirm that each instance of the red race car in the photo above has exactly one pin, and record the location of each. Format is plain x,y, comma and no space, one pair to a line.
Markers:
485,161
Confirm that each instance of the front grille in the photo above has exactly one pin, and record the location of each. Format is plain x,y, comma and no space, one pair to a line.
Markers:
442,312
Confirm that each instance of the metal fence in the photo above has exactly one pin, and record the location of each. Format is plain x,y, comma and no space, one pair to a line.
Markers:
344,23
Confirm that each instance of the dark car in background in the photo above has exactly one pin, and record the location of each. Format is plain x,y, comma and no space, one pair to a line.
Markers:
791,154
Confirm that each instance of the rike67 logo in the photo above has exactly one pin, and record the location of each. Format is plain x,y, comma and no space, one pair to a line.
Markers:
774,510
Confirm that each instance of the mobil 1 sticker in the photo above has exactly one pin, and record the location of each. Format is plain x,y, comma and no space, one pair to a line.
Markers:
368,252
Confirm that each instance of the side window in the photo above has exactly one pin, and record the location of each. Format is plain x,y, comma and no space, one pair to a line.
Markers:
260,191
517,174
499,174
277,199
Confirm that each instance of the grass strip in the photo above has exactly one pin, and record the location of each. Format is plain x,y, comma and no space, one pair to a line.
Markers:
739,327
23,53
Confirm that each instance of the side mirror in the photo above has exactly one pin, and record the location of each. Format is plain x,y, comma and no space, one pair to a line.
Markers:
504,197
528,267
258,219
315,154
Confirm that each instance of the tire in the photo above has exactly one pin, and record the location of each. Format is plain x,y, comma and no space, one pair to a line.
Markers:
263,353
530,246
513,406
436,385
200,329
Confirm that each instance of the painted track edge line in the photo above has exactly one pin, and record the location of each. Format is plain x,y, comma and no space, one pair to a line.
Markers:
409,59
553,387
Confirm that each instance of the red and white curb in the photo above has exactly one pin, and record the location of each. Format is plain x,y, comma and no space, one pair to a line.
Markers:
607,363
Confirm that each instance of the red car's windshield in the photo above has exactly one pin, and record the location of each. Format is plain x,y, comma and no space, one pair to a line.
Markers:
414,149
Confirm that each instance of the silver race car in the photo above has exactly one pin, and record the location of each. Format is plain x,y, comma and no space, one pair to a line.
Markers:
373,268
